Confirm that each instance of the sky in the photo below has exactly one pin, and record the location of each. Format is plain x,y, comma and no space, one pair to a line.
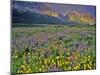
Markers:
62,8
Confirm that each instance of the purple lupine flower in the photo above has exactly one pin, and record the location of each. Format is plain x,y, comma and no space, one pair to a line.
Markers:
81,47
60,35
54,68
47,53
32,40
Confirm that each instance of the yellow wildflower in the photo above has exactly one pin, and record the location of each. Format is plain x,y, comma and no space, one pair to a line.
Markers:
16,56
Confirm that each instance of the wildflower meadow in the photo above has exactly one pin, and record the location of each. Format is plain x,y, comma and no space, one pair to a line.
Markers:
53,49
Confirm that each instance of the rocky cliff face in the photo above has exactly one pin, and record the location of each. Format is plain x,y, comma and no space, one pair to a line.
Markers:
39,8
80,17
34,11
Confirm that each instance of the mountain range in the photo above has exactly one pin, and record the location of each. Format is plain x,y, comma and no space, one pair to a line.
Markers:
41,13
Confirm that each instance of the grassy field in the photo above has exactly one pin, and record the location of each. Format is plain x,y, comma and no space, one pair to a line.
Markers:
50,49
